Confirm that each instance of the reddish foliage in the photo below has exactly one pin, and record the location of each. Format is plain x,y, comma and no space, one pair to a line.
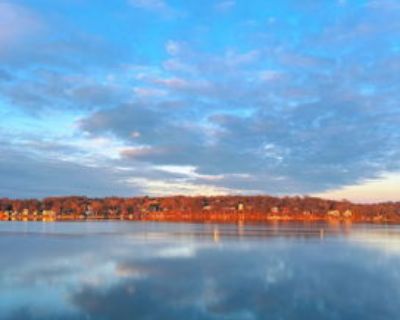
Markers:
180,208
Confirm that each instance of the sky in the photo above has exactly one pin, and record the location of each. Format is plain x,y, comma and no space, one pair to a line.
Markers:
161,97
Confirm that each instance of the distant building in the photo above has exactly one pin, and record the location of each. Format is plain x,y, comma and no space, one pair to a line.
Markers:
48,213
88,212
154,207
347,214
275,210
334,213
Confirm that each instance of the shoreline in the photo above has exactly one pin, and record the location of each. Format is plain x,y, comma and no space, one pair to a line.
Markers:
221,220
218,209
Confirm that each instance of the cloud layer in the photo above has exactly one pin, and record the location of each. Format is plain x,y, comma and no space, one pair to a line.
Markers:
292,102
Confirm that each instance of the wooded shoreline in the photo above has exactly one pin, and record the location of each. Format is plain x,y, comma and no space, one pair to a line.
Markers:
197,209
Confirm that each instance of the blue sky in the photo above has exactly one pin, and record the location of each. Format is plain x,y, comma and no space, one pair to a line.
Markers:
133,97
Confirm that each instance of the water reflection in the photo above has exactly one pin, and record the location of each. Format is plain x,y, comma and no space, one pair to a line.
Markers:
112,270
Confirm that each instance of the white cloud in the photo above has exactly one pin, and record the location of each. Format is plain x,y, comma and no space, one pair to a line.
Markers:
159,6
173,47
165,187
233,58
225,5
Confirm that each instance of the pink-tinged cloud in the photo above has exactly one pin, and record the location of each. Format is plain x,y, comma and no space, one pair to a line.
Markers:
141,152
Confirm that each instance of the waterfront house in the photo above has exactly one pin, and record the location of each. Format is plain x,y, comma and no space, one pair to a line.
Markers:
334,213
347,214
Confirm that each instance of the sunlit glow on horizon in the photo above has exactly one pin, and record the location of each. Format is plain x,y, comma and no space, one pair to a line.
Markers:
386,188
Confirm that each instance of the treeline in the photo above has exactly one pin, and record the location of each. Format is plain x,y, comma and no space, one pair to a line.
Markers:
197,208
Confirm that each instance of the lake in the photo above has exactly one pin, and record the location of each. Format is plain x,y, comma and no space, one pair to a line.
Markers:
144,270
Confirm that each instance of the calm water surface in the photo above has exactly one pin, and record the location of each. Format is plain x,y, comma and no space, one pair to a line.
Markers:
113,270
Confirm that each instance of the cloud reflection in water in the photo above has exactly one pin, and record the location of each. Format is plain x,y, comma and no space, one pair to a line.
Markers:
179,271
